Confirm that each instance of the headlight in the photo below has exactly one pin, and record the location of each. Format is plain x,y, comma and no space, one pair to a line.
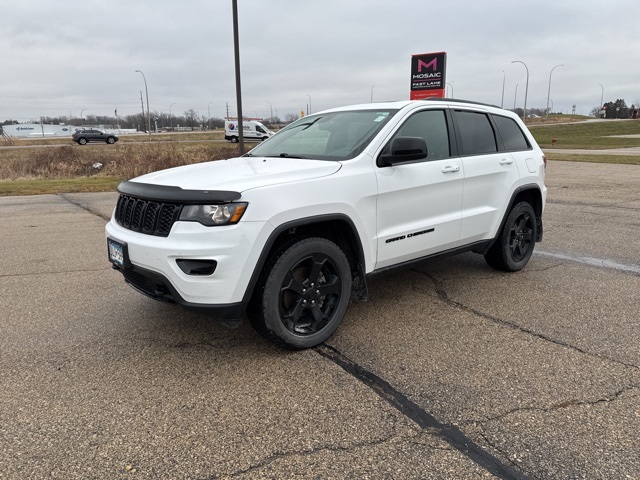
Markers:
212,215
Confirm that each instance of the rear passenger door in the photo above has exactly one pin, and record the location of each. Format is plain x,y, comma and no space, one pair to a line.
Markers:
418,207
490,173
516,143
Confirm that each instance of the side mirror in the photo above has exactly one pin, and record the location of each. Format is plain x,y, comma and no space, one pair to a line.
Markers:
405,149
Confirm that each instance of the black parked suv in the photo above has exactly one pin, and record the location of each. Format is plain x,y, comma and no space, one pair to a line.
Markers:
93,135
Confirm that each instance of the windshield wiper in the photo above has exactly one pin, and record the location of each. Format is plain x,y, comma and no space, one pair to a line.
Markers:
286,155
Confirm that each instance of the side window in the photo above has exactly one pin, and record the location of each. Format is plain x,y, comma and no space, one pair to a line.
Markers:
476,133
430,125
511,134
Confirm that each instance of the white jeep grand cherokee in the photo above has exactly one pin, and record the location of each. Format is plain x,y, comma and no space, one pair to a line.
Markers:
288,233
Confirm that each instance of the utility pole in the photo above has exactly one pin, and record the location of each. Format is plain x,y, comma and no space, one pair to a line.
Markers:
142,102
236,47
147,93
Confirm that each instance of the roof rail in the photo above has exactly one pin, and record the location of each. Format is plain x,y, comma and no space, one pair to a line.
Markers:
440,99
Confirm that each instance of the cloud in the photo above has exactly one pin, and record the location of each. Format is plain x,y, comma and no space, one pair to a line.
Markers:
58,58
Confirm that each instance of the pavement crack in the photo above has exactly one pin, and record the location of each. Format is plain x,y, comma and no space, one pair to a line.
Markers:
308,452
450,433
444,296
83,207
558,406
544,269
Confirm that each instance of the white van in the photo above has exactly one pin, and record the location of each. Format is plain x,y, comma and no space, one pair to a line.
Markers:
252,130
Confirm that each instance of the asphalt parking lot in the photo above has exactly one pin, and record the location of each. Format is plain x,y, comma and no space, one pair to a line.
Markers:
450,370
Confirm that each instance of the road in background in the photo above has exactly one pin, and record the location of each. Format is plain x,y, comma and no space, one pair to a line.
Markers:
451,370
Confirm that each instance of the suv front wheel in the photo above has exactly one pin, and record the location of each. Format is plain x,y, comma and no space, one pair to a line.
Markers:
514,247
303,293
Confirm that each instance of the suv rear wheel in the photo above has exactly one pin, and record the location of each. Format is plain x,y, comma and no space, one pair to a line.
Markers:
303,293
514,247
82,141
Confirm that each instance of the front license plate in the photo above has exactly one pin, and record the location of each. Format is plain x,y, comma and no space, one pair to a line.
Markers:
116,252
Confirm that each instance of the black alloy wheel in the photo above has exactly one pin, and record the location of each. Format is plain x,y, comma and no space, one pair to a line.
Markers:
514,246
521,237
303,294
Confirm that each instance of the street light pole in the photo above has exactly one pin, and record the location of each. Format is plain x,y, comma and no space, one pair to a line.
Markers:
372,93
81,121
601,96
504,77
309,106
450,85
170,117
549,89
146,91
270,109
209,116
515,97
526,89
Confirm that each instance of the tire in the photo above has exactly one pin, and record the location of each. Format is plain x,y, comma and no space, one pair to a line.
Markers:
303,293
111,140
514,247
234,140
82,141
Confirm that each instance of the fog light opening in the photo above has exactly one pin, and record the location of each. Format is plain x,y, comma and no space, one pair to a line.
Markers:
197,267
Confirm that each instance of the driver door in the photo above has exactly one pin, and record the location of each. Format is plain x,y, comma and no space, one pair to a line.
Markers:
419,203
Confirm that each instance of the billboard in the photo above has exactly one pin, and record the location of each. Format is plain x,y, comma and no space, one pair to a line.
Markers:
428,71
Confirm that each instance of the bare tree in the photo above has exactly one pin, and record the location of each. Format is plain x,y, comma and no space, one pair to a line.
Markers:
191,117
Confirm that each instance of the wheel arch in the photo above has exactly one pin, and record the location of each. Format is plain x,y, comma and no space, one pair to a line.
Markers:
338,228
526,193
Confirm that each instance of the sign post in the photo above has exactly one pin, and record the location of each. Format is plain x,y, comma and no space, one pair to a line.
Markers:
428,75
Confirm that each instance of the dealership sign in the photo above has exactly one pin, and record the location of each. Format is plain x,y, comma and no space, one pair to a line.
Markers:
428,72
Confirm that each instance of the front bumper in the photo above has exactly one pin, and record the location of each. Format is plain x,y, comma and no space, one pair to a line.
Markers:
153,269
158,287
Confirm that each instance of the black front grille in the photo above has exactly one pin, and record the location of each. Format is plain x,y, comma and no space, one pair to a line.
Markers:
152,218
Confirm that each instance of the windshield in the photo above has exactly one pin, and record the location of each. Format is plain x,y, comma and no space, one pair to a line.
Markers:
327,136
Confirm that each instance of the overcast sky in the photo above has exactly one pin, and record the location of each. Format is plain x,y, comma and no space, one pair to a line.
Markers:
57,58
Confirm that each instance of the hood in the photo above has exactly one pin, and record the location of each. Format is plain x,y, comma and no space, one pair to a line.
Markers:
240,174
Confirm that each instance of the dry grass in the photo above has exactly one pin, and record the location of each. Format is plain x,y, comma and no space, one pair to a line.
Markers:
119,161
53,186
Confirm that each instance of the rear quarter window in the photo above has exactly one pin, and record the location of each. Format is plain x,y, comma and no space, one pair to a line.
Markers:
514,139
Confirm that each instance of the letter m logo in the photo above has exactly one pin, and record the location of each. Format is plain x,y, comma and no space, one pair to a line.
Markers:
433,64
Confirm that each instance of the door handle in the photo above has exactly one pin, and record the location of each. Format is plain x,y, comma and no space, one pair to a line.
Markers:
450,169
506,161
